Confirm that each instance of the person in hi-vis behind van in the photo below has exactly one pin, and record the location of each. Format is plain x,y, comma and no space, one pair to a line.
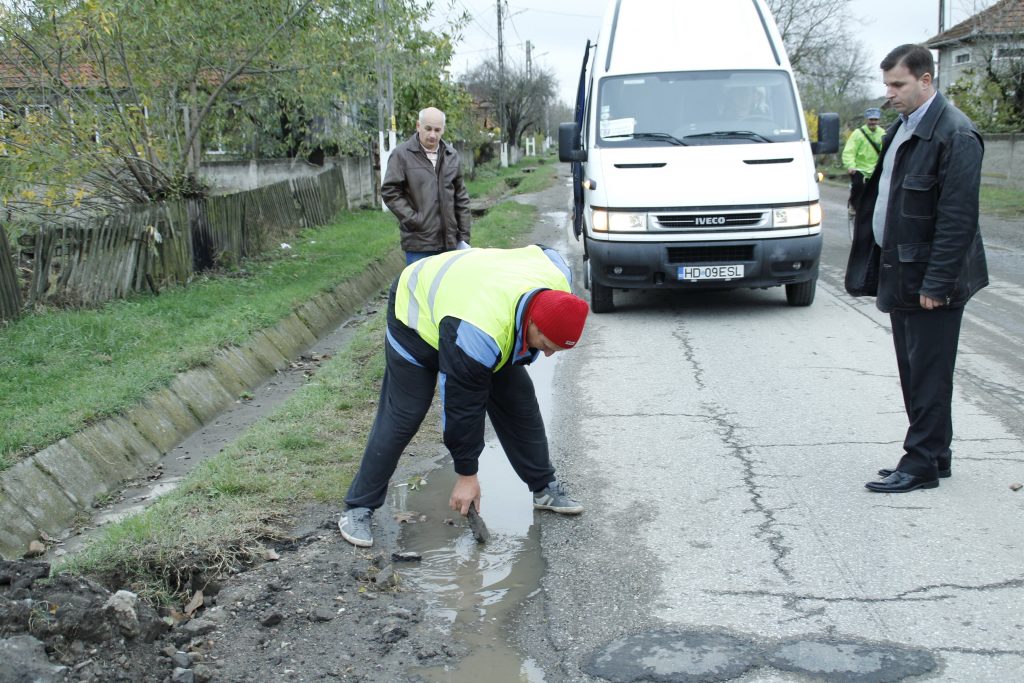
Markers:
860,154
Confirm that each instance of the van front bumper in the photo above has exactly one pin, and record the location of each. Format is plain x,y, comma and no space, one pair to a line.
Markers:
650,265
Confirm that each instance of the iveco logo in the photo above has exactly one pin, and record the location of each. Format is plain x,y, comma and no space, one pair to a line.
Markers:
710,220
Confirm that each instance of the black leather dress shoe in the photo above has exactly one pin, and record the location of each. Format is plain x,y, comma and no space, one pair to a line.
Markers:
944,463
901,482
943,473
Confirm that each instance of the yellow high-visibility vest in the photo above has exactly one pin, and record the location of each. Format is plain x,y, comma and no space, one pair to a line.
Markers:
480,286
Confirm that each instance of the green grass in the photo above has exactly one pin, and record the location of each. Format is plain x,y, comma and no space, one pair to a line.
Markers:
305,451
62,369
490,181
234,502
1005,202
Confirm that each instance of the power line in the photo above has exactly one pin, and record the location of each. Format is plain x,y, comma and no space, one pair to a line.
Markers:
515,28
475,20
562,14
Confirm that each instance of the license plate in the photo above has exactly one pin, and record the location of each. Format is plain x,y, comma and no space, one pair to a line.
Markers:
729,272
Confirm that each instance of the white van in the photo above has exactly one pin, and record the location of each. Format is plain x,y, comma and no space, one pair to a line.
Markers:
692,163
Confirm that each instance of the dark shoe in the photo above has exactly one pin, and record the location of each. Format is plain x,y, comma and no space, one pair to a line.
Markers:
943,474
944,463
901,482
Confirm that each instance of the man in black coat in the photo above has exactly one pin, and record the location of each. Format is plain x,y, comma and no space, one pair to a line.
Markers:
917,248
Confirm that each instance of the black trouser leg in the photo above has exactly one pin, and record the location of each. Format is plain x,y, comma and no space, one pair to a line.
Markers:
856,189
405,397
926,344
515,416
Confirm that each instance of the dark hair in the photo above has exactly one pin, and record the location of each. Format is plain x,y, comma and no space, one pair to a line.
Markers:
917,58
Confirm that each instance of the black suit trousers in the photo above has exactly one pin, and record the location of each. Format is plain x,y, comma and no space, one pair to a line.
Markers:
926,344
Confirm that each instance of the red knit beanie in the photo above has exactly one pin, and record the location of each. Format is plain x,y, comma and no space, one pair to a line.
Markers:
559,316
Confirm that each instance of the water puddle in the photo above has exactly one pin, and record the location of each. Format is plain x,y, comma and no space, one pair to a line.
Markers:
471,587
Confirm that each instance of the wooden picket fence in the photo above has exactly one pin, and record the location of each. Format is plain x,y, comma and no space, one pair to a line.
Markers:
164,244
10,292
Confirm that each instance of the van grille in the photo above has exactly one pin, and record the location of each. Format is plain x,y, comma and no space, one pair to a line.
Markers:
710,221
724,254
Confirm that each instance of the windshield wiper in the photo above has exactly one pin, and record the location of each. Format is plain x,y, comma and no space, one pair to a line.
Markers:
649,136
747,134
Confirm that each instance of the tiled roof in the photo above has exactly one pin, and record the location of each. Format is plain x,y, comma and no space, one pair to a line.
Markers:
1005,18
15,75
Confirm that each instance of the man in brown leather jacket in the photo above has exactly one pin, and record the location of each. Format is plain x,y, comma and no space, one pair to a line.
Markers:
423,187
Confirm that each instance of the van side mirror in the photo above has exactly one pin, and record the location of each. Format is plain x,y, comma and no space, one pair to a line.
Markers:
828,135
569,146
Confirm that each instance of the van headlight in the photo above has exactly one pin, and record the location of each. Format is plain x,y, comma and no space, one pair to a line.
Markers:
618,221
797,216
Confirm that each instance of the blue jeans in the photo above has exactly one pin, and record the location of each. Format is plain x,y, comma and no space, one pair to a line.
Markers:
414,256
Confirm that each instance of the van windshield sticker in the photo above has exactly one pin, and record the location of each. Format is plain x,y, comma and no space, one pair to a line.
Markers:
634,81
618,127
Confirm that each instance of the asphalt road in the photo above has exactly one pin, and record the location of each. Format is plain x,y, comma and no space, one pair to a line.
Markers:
722,441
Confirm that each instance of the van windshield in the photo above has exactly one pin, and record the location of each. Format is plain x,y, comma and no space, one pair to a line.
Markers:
697,108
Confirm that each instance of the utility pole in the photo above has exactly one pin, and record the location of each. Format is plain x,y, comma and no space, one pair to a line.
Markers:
501,90
529,61
385,90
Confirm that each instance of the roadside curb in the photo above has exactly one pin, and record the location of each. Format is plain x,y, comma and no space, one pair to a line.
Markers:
45,492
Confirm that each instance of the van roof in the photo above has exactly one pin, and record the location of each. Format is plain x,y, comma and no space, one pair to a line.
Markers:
686,35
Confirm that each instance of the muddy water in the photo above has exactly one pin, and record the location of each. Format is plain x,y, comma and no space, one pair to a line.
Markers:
475,587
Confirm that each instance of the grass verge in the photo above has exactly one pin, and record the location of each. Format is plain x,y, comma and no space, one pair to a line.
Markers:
218,519
1004,202
62,369
490,181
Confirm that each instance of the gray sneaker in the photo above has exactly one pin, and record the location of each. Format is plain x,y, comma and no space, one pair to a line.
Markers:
554,497
355,527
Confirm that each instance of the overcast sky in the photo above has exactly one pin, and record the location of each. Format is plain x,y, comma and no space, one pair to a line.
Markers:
559,29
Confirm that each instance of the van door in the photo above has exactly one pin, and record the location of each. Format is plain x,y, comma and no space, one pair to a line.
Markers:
577,166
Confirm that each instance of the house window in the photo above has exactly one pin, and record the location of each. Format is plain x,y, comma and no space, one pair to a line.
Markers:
962,58
1016,52
32,111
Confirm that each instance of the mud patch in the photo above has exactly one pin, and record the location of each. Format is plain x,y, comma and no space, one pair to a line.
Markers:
322,610
666,656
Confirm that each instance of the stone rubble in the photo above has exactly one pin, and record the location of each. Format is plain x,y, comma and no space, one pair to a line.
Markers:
320,611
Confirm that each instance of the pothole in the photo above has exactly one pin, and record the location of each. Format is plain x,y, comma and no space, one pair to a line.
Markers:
474,588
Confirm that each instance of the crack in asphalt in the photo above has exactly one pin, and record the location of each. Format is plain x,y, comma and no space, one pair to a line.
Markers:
646,413
1014,395
768,530
690,354
793,600
848,442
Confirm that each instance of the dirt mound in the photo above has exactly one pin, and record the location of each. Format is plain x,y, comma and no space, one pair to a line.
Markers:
317,609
